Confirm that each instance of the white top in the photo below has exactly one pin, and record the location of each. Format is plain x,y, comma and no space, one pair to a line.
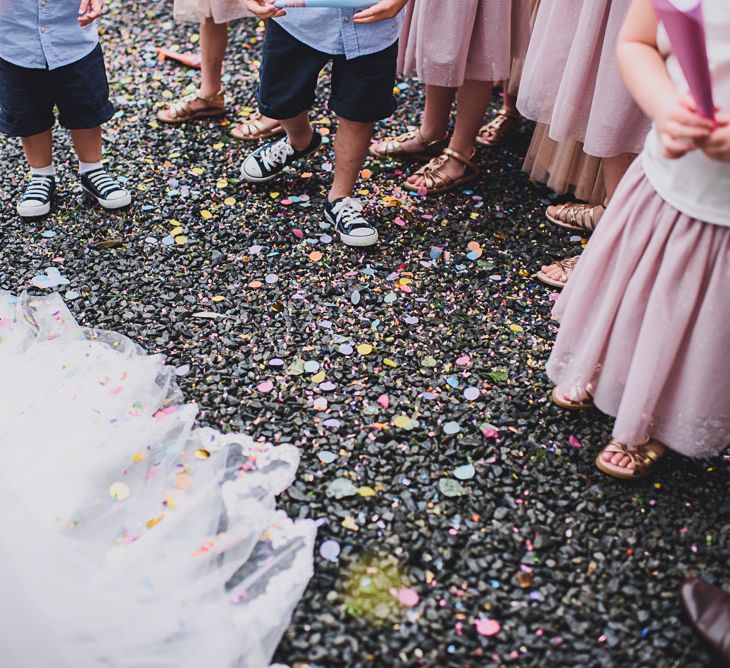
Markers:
696,185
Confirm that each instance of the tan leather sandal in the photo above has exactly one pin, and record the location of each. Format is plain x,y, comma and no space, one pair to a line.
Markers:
644,459
253,129
393,148
436,181
499,128
566,267
578,217
183,110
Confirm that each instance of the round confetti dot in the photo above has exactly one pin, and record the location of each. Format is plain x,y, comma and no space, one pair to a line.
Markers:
488,627
452,428
201,453
329,550
471,393
364,349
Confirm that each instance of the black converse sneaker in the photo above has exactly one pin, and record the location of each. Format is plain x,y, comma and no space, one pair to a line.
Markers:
100,185
346,215
37,198
271,159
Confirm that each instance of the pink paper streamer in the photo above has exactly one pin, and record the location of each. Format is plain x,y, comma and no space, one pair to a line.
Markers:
686,31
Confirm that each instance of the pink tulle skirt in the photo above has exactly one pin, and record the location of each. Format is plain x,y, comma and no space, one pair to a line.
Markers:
571,80
645,319
446,42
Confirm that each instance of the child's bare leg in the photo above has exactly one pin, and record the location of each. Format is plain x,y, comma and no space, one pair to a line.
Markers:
88,145
39,149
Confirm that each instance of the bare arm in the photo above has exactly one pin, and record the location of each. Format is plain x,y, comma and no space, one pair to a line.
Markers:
645,74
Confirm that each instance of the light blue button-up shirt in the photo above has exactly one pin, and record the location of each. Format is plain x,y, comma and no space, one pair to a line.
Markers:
332,31
40,34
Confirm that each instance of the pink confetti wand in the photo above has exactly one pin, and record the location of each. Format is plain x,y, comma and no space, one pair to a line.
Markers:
337,4
683,22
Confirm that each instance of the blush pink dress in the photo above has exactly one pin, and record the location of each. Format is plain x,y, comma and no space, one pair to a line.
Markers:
446,42
645,318
572,87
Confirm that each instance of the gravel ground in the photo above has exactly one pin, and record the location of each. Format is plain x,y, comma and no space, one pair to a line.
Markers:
471,525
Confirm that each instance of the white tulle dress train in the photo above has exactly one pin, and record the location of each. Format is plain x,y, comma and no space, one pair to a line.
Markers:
130,538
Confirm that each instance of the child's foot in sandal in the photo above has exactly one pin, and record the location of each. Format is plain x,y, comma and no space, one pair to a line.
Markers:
499,128
446,172
193,106
557,274
573,398
409,145
574,216
630,462
257,127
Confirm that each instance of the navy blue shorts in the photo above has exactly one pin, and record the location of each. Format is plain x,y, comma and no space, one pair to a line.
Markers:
362,88
79,90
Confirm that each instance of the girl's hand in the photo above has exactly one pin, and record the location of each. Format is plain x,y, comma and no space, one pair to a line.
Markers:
717,145
680,128
385,9
89,11
264,9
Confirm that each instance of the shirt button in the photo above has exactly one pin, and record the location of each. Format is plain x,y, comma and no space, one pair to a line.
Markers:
346,19
43,28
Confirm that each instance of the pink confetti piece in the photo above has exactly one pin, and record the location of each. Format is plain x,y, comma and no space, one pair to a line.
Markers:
265,387
488,627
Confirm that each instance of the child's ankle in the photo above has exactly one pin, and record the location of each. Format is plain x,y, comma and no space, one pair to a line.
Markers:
88,166
49,170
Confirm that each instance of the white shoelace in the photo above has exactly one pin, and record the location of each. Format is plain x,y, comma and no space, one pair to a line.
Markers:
349,213
38,189
105,184
275,154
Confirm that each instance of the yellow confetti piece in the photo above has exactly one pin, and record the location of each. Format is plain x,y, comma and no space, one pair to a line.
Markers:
229,201
119,491
366,491
197,170
138,457
201,454
390,363
181,240
222,183
217,298
274,195
402,421
217,145
350,524
319,377
364,349
154,521
207,215
516,328
175,231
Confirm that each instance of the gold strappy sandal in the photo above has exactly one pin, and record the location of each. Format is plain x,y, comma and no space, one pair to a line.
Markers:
499,128
578,217
183,111
644,459
438,182
566,266
393,148
253,129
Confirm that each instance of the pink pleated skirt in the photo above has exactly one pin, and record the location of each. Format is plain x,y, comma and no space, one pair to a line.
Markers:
645,319
571,80
221,11
446,42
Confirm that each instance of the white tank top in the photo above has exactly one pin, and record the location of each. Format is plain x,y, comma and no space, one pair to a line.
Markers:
696,185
